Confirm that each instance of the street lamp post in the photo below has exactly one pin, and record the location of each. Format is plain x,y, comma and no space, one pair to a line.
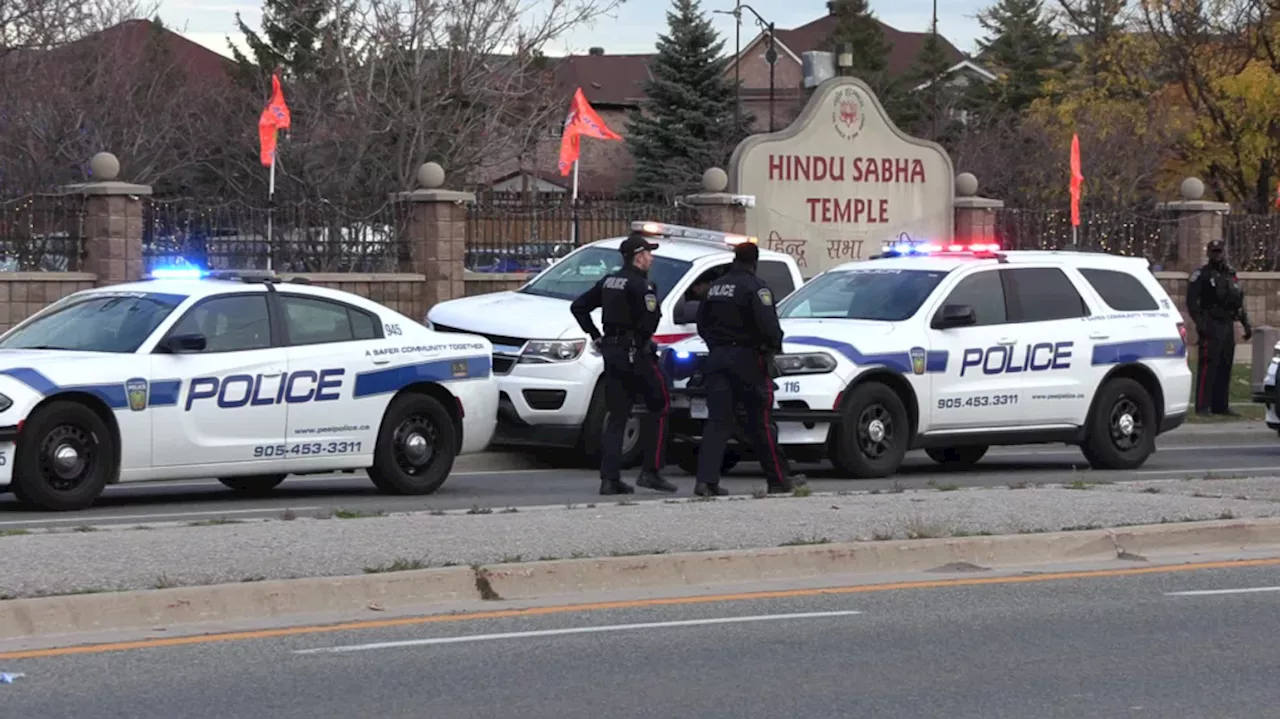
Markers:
770,56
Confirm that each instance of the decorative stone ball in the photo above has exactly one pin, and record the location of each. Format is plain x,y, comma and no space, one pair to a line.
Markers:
105,167
431,175
966,185
1192,188
715,180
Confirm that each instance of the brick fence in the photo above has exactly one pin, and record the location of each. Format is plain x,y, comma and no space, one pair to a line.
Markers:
111,222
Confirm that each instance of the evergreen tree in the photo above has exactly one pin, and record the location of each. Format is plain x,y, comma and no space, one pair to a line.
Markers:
858,31
926,114
687,122
1022,44
297,37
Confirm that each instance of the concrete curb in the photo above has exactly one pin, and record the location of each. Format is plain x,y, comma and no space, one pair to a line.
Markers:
75,614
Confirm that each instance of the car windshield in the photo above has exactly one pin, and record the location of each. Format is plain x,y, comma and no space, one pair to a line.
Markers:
570,277
100,322
887,295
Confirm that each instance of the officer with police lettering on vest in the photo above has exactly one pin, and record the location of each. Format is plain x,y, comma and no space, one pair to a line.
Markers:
739,323
1215,302
631,315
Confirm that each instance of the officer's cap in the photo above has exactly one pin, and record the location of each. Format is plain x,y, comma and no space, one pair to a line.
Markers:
1216,246
636,243
747,253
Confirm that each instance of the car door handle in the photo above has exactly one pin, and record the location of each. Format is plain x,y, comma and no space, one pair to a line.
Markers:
277,373
383,360
1098,335
1006,341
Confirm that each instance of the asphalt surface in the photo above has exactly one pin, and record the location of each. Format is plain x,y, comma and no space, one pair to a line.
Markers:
1187,452
1123,646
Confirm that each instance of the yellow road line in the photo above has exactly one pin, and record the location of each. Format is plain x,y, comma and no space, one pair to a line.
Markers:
628,604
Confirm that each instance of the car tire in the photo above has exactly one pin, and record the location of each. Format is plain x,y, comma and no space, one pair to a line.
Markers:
416,446
1122,427
687,460
257,485
65,458
871,439
593,433
956,456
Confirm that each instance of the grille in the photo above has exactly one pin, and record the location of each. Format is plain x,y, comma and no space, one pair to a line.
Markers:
502,364
496,339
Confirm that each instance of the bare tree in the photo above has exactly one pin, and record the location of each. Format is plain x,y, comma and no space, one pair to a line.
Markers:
45,24
123,90
401,82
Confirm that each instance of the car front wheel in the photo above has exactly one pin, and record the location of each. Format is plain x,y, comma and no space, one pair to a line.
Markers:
65,458
416,446
872,436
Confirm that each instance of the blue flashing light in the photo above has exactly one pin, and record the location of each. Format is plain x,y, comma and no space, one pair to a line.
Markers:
682,355
177,273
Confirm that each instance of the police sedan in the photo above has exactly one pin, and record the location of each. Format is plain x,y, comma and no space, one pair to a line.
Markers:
234,375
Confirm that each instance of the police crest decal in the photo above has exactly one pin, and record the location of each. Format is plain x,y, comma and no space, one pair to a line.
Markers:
651,302
136,390
918,360
460,369
765,296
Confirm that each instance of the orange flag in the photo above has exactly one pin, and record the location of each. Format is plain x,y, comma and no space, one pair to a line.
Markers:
582,120
1077,180
275,117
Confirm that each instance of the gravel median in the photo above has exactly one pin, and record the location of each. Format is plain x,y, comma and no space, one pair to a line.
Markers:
87,559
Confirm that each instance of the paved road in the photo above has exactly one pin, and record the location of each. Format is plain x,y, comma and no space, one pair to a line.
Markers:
1182,454
1127,646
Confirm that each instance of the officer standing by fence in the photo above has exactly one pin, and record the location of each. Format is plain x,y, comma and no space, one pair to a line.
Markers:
739,323
1215,302
630,317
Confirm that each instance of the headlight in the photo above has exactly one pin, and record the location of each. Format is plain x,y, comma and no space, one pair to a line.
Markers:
815,363
544,351
5,403
1275,351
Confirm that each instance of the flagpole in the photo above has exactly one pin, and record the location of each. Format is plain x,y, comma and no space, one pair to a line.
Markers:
271,206
575,203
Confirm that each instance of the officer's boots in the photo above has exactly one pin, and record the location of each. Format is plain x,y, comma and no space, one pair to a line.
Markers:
709,490
652,480
615,486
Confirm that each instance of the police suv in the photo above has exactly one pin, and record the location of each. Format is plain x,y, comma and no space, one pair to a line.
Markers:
551,392
955,348
234,375
1268,396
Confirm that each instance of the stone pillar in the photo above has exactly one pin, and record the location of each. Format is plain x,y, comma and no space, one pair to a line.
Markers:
975,216
113,222
1198,222
716,209
435,230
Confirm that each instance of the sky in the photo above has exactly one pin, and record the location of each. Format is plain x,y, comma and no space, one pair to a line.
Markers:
633,28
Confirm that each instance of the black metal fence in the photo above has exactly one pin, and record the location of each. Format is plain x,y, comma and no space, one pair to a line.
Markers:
42,233
291,237
1150,234
1253,242
515,232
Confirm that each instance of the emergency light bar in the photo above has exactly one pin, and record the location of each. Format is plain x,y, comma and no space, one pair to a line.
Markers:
898,249
680,232
183,271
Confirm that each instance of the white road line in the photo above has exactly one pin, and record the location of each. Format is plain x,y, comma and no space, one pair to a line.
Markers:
114,517
573,630
1208,470
1211,592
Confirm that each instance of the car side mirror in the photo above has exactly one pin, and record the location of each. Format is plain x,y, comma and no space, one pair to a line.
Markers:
686,312
181,344
955,316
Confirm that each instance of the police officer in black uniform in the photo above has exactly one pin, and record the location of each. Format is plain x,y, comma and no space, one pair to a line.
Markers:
631,315
1215,302
739,323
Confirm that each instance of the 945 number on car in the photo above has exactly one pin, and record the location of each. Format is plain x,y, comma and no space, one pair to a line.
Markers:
982,400
306,449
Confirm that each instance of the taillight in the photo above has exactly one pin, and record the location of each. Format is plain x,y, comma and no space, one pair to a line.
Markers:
672,339
839,396
1182,330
